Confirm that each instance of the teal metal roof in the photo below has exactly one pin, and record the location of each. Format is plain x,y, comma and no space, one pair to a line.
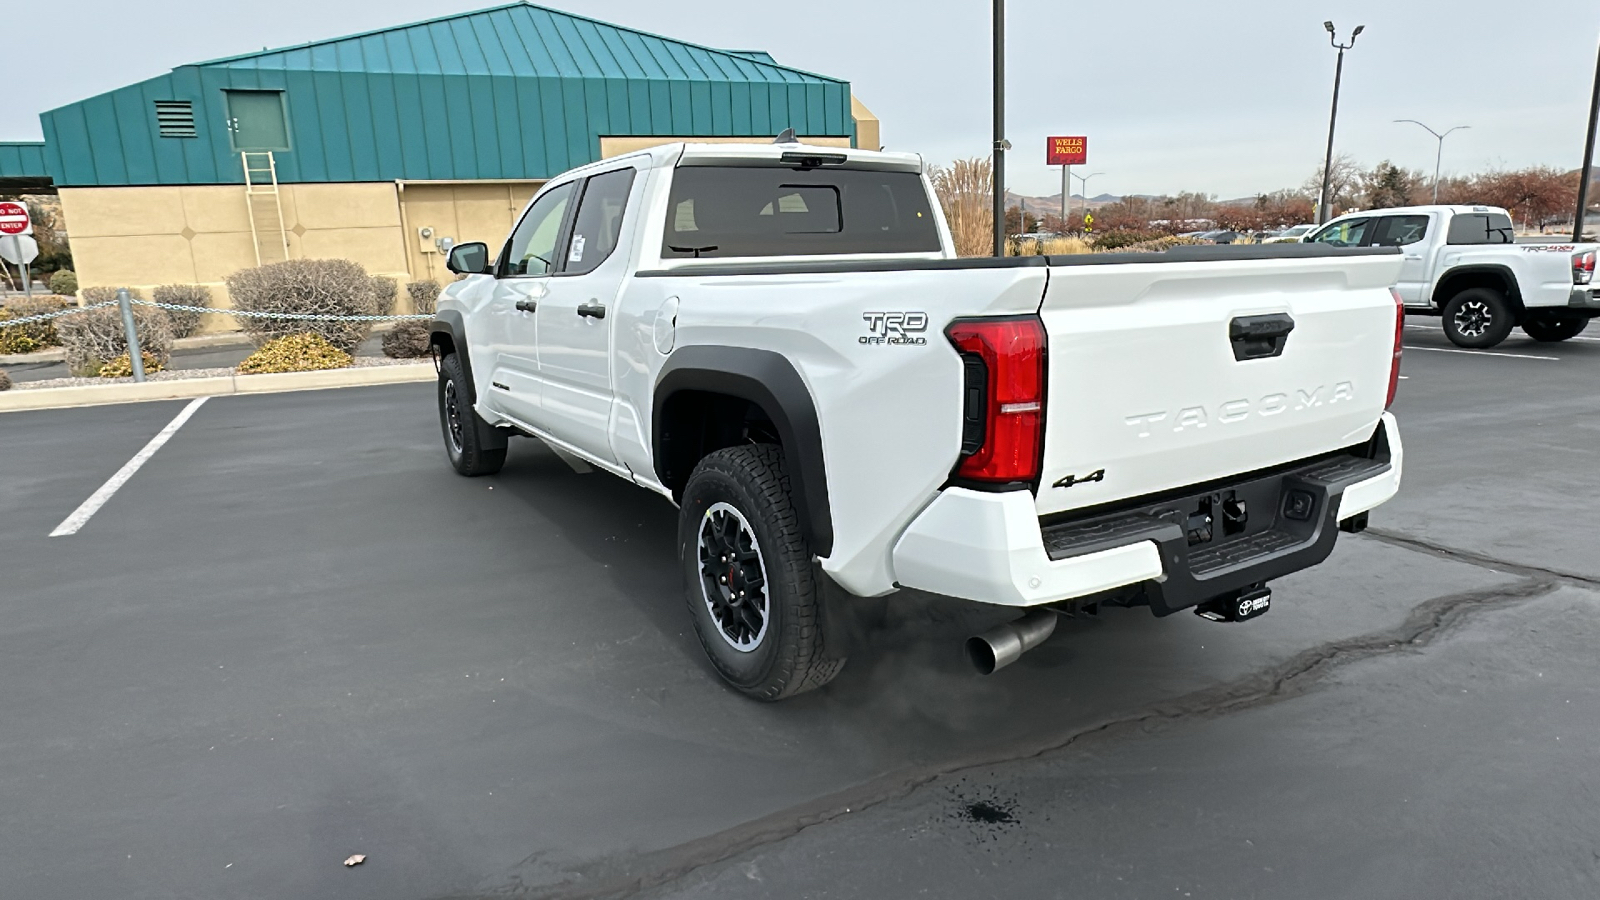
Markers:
514,91
22,159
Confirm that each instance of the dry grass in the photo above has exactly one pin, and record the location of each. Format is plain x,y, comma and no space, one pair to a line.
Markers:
1061,246
964,190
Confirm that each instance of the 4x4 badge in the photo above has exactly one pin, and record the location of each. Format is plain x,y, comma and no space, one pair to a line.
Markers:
1070,480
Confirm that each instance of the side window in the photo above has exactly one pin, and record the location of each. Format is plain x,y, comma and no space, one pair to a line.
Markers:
1348,233
598,227
1480,228
1398,231
532,248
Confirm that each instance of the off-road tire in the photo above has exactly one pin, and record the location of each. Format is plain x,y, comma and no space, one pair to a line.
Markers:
1478,318
461,427
1549,327
789,656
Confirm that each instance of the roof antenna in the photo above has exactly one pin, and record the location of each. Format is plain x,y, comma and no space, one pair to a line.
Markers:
786,137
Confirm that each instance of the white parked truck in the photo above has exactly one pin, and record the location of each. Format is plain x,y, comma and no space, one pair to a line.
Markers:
1460,263
780,339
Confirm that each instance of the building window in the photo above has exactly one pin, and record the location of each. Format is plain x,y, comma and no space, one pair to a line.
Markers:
256,120
175,118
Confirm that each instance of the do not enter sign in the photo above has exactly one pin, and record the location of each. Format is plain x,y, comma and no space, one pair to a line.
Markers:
14,219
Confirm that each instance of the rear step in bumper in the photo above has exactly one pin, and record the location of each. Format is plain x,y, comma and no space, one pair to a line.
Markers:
990,548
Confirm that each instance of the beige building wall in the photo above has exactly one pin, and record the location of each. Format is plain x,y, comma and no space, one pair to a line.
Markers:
464,211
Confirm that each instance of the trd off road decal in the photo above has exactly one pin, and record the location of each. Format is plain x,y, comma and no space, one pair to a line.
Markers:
895,328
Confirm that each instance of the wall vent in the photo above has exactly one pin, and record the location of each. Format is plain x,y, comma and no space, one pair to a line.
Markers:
175,118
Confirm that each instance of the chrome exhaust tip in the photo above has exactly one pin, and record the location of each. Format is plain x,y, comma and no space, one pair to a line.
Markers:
1003,645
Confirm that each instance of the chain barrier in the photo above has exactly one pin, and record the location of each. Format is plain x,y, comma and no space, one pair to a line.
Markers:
178,307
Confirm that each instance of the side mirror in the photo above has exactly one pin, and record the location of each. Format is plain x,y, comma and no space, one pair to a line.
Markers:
468,259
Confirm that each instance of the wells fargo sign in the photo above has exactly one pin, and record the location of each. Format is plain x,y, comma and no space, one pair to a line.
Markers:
1067,151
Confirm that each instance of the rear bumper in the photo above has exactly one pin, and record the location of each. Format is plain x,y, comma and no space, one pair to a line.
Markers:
1585,297
992,548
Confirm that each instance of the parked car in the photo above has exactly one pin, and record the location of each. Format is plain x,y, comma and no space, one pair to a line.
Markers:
1219,236
1460,263
781,341
1289,235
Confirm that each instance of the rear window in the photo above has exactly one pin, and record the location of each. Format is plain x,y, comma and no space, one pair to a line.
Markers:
1480,228
718,212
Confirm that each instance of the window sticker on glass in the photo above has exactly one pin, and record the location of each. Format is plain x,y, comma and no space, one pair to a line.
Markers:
576,253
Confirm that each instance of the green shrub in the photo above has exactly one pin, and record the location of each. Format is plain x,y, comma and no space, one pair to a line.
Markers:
34,335
184,323
122,366
384,289
303,352
93,337
5,381
1159,244
64,282
407,340
336,287
1116,240
93,295
424,296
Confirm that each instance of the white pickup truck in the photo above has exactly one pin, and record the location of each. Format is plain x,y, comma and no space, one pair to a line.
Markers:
779,339
1460,262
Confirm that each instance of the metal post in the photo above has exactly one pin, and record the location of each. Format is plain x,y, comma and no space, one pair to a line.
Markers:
1437,159
27,279
135,357
1588,157
1327,165
999,127
1066,194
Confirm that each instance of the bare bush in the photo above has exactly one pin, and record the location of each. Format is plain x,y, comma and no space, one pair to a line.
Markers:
407,340
385,289
424,296
5,381
94,337
184,323
93,295
330,287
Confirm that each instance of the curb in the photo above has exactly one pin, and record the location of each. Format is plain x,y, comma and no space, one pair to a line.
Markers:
220,386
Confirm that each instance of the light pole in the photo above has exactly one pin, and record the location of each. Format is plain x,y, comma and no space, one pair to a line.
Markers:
1338,72
1083,185
1588,159
1000,143
1437,156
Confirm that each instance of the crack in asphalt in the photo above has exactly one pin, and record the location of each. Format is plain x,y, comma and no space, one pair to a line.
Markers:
619,878
1473,558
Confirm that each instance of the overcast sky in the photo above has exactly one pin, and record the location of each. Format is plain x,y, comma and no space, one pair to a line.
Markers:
1228,97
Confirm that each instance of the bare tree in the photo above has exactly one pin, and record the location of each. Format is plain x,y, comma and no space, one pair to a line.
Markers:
1343,184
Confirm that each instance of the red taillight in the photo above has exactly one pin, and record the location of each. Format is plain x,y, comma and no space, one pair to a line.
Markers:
1583,267
1005,374
1399,331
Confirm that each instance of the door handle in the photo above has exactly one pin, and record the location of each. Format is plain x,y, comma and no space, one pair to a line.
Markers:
1259,337
527,306
594,309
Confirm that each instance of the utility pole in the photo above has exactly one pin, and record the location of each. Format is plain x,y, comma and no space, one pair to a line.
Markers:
1338,72
1066,184
1000,143
1588,157
1439,156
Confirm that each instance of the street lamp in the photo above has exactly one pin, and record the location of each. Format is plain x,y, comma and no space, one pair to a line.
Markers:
1083,185
1327,165
1001,145
1437,156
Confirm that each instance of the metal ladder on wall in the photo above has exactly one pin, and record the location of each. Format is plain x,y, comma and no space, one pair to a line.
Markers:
267,233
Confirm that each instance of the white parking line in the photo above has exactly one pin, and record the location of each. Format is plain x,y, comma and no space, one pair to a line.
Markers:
1485,353
98,499
1440,329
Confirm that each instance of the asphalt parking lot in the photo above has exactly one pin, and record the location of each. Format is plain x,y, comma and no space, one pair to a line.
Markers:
294,635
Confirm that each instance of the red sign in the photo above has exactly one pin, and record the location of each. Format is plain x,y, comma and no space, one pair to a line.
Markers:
1067,151
14,218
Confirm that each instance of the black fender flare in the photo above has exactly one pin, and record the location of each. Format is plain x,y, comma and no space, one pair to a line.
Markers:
1513,291
770,381
451,323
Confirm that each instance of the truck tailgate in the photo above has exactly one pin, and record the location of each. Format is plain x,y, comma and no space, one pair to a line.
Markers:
1147,391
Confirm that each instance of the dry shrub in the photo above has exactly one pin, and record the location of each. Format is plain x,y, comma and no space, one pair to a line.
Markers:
424,296
407,340
5,381
336,287
34,335
1063,246
304,352
93,337
385,289
93,295
122,366
184,323
965,190
1160,244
